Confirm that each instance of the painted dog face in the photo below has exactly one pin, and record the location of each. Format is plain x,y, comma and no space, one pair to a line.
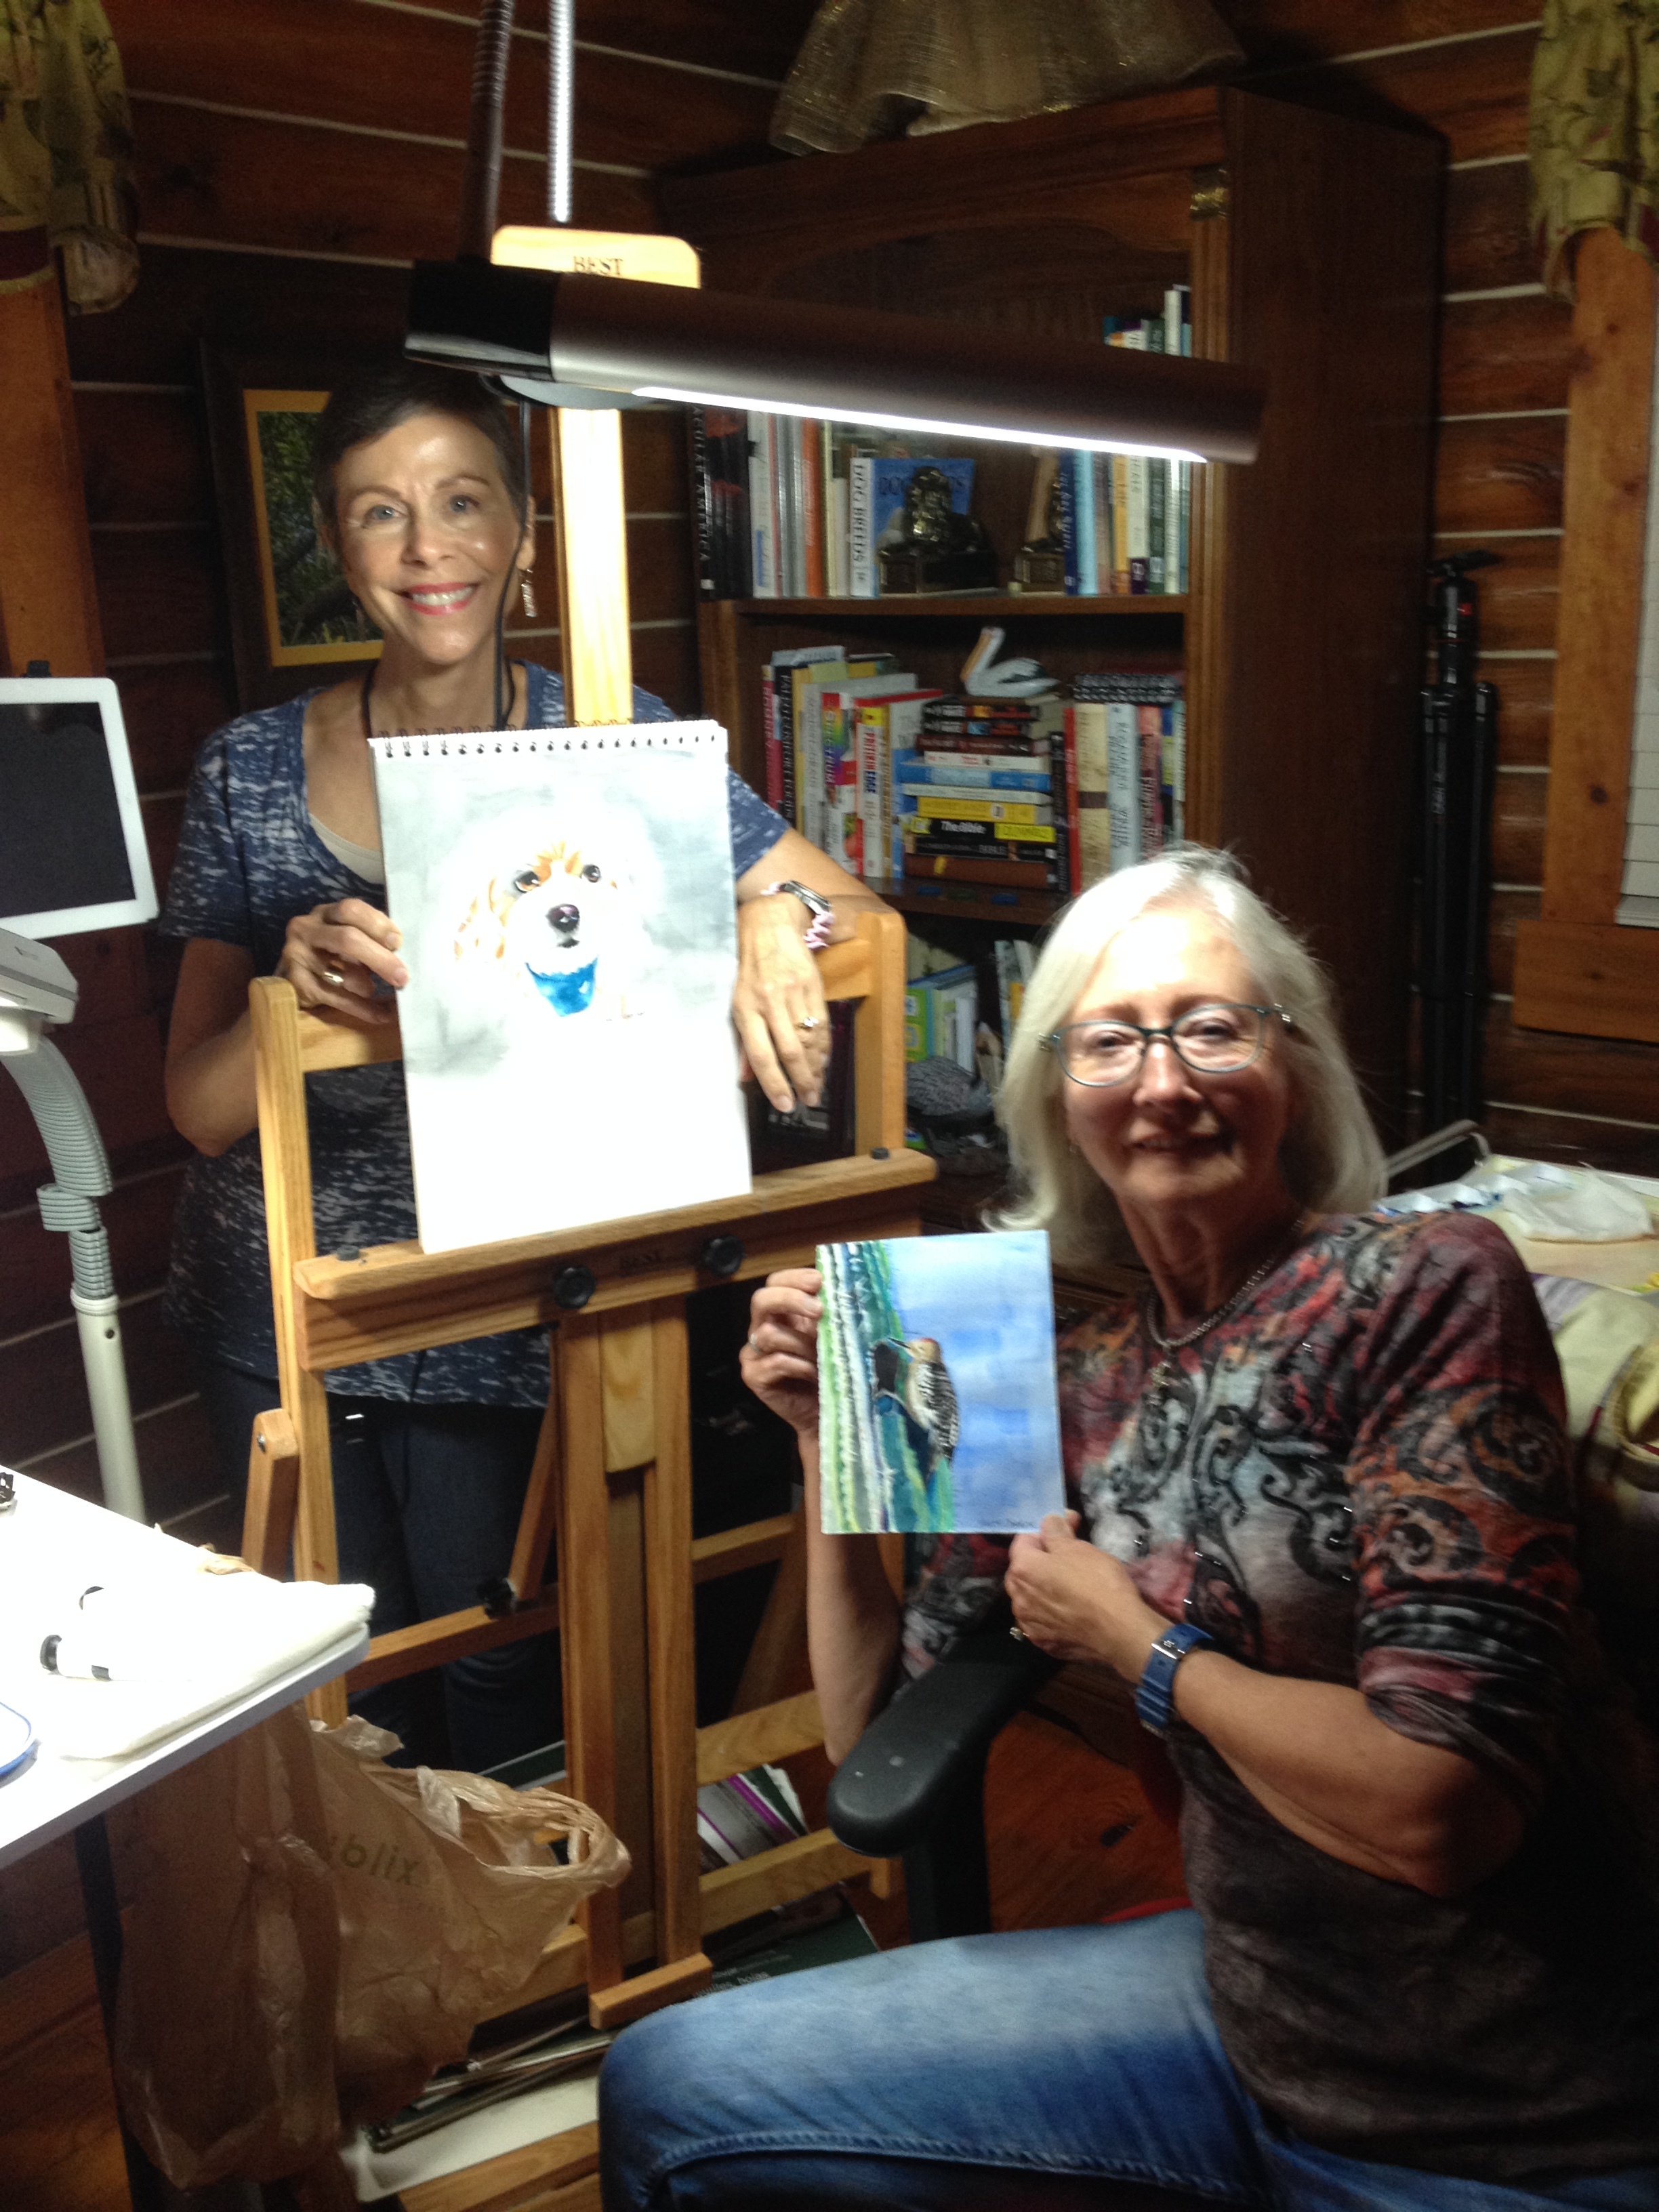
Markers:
550,924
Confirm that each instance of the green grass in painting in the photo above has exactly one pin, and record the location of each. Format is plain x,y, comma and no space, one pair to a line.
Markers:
872,1477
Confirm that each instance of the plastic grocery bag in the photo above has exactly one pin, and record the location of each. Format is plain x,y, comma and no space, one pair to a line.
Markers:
314,1932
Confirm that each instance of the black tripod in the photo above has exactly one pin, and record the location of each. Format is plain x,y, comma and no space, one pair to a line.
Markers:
1460,752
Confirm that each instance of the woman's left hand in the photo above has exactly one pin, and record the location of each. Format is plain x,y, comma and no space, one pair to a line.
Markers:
783,1025
1076,1602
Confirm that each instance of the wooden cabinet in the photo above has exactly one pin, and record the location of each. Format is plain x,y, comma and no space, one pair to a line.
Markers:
1310,243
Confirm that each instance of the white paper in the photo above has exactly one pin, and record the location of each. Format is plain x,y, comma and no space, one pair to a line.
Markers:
568,925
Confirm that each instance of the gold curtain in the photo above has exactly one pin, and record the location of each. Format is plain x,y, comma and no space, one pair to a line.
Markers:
65,153
1594,134
872,68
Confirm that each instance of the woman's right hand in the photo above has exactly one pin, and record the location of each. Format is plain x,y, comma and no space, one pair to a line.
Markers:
349,940
780,1362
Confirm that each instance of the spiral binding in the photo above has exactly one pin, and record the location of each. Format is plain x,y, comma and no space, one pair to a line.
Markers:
665,737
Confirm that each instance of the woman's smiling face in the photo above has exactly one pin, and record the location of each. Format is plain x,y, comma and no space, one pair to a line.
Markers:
428,535
1166,1137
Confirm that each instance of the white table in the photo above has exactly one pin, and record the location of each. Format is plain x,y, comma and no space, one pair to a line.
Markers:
52,1544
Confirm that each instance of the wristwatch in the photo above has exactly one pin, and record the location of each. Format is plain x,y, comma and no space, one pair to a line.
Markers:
823,914
1155,1697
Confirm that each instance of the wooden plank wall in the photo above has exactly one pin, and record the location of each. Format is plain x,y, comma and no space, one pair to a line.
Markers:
1464,66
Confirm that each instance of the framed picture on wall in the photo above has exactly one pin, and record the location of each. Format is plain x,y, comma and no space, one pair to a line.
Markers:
293,624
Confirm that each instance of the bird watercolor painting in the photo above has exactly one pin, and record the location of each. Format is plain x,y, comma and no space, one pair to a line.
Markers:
936,1370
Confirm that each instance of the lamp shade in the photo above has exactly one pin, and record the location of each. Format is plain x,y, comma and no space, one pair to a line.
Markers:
544,334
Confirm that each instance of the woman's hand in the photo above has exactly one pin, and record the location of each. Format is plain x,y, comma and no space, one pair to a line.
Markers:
779,1007
780,1362
333,955
1076,1602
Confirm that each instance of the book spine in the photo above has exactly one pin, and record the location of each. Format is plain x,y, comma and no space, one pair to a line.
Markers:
1137,540
1094,820
952,868
1123,784
1184,468
1166,773
763,535
917,772
861,557
1068,522
783,715
1067,742
869,737
1088,565
811,438
774,747
1149,722
1002,956
702,496
1101,465
970,806
934,832
1178,718
1157,493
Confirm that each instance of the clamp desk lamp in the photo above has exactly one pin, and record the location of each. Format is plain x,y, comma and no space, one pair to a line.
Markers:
72,858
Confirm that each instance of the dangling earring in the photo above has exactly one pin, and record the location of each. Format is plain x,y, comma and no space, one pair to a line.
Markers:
526,595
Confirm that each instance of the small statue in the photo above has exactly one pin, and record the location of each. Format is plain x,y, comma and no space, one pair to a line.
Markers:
936,549
1039,563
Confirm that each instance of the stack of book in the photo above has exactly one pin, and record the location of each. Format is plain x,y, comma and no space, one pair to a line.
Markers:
1126,517
832,721
975,799
1127,763
941,1016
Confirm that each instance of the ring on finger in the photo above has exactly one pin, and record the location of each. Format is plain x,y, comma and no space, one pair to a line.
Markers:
808,1021
334,977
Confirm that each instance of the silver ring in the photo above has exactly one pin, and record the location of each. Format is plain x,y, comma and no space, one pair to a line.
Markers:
333,977
754,1341
808,1021
1018,1634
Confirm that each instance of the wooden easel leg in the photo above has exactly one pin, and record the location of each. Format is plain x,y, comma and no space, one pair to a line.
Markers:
273,1494
316,1551
671,1655
777,1666
584,1548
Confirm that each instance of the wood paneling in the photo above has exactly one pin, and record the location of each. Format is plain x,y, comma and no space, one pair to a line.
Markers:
1503,354
1526,691
410,70
119,1067
1500,476
42,1394
202,175
1593,1142
35,1262
161,591
1517,828
1487,242
1474,92
252,303
1316,30
144,457
729,34
168,711
1507,908
1571,1074
1519,598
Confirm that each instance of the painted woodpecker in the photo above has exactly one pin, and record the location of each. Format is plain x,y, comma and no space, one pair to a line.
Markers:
913,1374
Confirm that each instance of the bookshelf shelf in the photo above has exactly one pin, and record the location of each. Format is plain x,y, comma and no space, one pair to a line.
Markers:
994,606
1309,241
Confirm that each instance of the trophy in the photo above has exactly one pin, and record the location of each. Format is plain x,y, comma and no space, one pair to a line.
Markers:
936,549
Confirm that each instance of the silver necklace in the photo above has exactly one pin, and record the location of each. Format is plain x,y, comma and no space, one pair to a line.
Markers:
1164,1346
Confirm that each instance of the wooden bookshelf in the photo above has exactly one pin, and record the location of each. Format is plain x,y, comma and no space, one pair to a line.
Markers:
1310,242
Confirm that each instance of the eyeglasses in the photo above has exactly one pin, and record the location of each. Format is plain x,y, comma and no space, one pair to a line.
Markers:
1210,1039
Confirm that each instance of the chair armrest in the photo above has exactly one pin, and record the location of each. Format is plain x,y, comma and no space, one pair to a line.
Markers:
914,1757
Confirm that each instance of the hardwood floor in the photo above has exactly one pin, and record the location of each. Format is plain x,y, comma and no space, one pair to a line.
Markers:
1070,1838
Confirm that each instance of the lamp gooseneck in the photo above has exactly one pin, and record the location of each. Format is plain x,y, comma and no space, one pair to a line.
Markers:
480,184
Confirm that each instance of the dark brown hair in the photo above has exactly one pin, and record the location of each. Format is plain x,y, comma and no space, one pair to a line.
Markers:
368,405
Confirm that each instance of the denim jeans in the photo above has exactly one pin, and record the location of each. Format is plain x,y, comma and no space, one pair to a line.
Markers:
1067,2069
427,1500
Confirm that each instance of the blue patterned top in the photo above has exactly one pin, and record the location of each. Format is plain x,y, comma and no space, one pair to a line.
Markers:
248,861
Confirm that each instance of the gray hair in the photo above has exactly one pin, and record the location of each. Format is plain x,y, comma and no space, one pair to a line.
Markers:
1330,1157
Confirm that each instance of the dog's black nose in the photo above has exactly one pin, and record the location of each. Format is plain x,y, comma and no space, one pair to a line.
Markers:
567,919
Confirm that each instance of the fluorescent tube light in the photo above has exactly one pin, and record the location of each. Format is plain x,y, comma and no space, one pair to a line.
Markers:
547,335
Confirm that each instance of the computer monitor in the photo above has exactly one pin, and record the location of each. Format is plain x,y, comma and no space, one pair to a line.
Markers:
72,850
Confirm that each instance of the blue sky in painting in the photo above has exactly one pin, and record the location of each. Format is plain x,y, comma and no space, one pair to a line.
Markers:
987,1300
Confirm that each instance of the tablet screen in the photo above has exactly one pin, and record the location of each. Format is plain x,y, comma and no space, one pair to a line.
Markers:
71,844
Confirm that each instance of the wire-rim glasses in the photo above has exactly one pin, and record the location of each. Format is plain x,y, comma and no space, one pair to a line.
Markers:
1212,1040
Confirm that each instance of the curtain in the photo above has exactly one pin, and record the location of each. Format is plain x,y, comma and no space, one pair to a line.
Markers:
1594,133
872,68
65,154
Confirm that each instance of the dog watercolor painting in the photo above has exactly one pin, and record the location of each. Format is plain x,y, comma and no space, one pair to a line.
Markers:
567,910
936,1376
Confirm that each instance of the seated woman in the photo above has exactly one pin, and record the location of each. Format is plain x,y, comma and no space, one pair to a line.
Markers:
1323,1524
420,486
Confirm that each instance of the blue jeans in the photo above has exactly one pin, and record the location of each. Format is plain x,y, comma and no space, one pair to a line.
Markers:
427,1500
1067,2069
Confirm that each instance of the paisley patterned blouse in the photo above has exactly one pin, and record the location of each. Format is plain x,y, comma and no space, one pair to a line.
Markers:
1361,1477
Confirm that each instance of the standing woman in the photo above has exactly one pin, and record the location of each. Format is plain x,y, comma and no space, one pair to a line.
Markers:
419,485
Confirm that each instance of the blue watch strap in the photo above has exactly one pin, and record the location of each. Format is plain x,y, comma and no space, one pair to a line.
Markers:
1155,1695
